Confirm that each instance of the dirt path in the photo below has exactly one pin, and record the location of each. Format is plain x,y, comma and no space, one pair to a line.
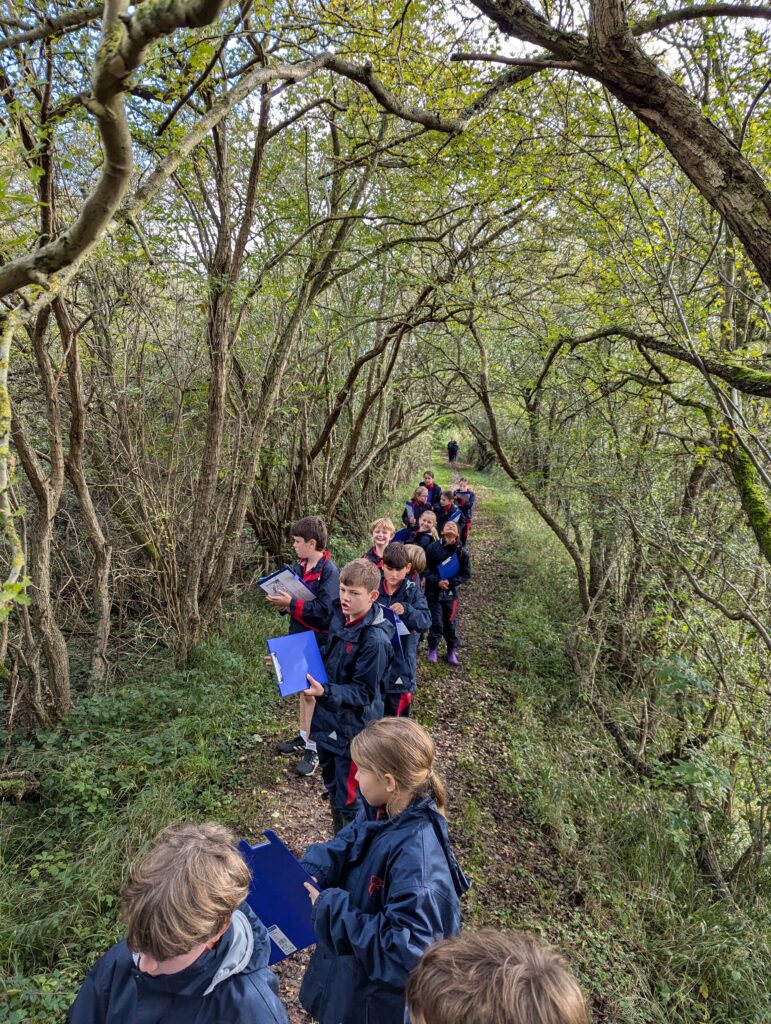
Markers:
507,858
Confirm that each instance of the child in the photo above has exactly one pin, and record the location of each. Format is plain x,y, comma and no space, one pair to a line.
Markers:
417,557
491,977
464,498
320,574
358,659
427,533
390,883
448,512
442,595
382,531
415,507
434,490
194,952
407,601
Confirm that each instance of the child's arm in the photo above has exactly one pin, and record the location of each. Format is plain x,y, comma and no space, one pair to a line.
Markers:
325,861
317,614
388,944
416,616
465,568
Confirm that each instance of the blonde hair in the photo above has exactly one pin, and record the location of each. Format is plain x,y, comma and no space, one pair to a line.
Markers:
361,573
402,748
386,524
433,530
417,557
418,489
183,890
494,977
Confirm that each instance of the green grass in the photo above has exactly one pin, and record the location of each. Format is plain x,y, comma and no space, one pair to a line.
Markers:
601,866
622,896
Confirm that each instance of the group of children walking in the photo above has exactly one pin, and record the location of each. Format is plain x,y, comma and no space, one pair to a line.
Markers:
386,903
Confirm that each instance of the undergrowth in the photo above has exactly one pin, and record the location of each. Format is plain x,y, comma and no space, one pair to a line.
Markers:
649,938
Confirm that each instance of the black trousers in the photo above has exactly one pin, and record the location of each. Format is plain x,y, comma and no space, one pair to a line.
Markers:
443,623
339,774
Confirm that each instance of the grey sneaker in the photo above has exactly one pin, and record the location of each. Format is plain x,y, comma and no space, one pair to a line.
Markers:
308,763
295,745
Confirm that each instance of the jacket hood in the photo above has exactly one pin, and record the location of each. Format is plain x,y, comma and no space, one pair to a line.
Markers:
244,946
408,821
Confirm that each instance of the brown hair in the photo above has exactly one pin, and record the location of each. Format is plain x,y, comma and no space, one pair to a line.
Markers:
402,748
183,890
492,977
395,556
311,528
361,573
385,523
417,556
454,525
428,472
428,512
447,494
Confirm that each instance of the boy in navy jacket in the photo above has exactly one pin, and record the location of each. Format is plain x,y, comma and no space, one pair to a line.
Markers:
195,953
382,532
442,594
357,659
320,574
407,600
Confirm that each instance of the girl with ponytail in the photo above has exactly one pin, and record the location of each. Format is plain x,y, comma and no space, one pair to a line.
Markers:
390,885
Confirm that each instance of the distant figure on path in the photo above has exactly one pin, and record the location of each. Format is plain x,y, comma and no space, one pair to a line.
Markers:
452,451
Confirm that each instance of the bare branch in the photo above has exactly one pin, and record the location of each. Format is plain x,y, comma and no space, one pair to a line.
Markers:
69,22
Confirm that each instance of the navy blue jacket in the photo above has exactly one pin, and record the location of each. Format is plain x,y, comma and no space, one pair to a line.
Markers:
434,494
417,511
357,658
324,580
417,618
437,553
423,540
390,888
465,501
372,556
450,515
229,984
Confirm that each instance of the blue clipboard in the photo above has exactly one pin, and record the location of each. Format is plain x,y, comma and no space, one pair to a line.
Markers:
295,656
278,896
449,568
394,619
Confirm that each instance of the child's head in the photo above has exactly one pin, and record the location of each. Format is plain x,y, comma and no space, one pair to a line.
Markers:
421,495
359,587
396,564
491,977
183,891
309,534
417,557
428,478
450,533
382,531
463,484
394,758
427,523
446,499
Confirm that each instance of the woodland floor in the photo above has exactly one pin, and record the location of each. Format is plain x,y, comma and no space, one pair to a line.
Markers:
515,868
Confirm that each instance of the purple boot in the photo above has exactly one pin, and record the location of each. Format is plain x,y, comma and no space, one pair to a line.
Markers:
432,655
452,657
